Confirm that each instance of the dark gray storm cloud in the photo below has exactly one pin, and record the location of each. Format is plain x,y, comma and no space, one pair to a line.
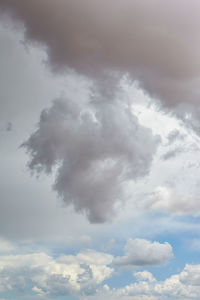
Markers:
155,42
96,148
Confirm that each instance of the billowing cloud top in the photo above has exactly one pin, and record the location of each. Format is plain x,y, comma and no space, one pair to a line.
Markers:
96,147
142,252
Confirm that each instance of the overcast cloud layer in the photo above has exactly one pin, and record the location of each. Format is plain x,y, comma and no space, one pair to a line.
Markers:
155,42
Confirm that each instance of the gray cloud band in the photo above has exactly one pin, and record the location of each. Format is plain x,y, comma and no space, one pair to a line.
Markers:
154,41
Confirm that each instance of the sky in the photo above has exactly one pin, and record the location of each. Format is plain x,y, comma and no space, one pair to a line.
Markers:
99,155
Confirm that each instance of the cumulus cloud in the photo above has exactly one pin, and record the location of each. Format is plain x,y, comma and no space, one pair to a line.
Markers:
83,275
172,288
95,149
45,275
140,252
144,275
154,42
184,285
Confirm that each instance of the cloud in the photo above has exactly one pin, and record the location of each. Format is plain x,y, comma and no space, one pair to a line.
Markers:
144,275
190,275
175,287
172,153
47,276
6,246
155,43
168,199
175,135
184,285
96,148
83,275
140,252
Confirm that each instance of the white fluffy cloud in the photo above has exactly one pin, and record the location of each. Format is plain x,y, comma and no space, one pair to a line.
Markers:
140,252
184,285
69,274
80,274
83,275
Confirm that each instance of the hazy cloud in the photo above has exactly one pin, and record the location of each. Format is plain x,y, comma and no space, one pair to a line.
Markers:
175,135
168,199
172,153
6,246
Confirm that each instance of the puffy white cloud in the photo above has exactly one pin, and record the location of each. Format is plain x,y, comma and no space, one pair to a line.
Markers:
69,274
83,275
140,252
190,276
184,285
